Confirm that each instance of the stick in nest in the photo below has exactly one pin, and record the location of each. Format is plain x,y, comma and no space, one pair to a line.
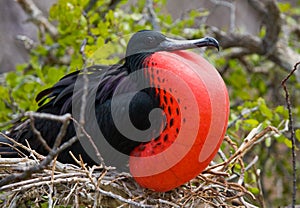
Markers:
54,151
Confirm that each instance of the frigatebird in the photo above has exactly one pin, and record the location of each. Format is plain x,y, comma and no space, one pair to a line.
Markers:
115,93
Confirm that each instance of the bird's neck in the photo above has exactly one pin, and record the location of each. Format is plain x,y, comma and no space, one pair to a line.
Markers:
138,68
136,62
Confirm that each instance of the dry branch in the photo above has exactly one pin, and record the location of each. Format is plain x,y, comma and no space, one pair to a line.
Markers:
52,153
271,46
292,130
37,16
152,15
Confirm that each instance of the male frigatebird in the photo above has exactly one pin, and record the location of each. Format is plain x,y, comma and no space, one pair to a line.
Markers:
121,112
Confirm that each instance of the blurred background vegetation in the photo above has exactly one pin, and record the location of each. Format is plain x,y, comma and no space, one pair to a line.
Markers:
258,49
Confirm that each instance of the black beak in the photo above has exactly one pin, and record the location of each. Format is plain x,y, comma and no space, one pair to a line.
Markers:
173,45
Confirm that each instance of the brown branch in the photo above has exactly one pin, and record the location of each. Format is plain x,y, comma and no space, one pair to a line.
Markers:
232,7
17,144
37,168
273,25
81,123
152,15
271,46
270,15
292,130
242,115
253,137
52,154
37,16
113,4
252,43
38,134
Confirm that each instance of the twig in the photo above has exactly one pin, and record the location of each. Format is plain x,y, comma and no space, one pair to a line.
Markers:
248,205
168,203
12,121
39,167
83,103
38,134
37,16
257,173
62,132
90,140
250,140
271,46
53,117
44,179
232,8
242,115
85,84
67,198
40,183
247,144
22,146
255,159
292,130
209,188
152,16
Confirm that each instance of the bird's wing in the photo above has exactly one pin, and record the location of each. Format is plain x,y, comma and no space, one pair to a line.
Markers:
101,80
58,100
66,97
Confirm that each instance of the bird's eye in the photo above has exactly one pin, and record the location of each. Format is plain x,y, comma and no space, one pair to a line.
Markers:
150,40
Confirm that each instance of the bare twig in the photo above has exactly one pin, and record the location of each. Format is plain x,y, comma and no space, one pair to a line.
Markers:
53,153
85,84
17,144
242,115
152,15
292,130
271,46
12,121
83,103
247,144
37,16
61,118
232,7
27,173
38,134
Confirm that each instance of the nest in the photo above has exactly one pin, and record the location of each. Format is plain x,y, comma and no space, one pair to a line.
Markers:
34,183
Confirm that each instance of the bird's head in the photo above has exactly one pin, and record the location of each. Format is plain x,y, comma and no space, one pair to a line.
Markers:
148,41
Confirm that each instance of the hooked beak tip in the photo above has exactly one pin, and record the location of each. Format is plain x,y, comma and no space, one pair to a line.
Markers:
212,42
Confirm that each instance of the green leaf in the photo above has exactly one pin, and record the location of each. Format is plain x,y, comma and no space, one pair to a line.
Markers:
288,142
252,123
254,190
297,134
284,7
264,109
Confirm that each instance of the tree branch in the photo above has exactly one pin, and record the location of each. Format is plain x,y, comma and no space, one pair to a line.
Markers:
37,16
292,130
271,46
53,152
152,16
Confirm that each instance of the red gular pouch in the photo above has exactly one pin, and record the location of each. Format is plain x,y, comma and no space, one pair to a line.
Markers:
195,101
